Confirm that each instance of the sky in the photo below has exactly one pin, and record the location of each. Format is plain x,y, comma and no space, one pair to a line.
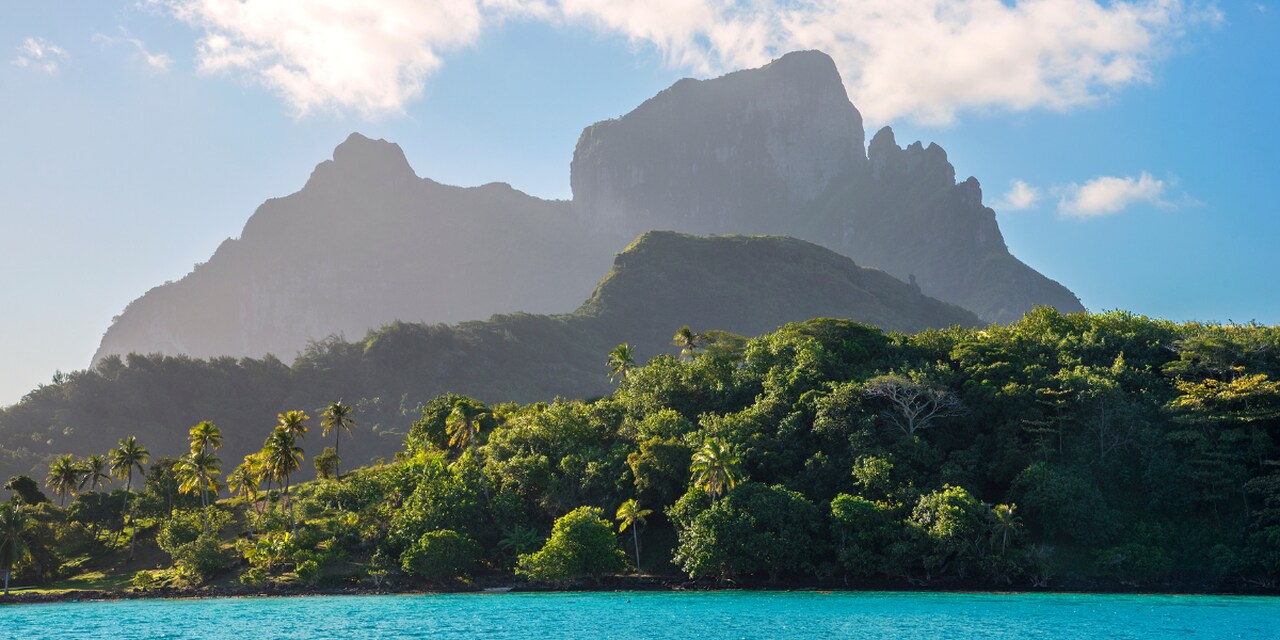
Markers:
1129,148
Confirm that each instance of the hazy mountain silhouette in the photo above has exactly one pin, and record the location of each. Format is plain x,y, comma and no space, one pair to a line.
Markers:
748,285
775,150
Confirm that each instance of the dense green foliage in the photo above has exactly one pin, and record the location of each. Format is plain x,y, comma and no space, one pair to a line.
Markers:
1106,447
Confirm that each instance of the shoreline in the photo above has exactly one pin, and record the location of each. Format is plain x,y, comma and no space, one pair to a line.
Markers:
637,584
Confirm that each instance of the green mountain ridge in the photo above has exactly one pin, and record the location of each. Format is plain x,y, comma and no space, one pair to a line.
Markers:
746,285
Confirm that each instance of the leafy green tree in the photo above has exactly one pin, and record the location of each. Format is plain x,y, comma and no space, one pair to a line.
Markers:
754,530
337,417
14,523
95,472
715,468
621,361
863,532
950,524
631,515
326,464
660,469
582,544
441,555
64,477
25,490
129,455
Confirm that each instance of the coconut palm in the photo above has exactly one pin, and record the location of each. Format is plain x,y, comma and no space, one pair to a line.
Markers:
337,418
129,455
1005,523
463,425
687,340
243,481
631,515
95,472
196,473
281,457
63,478
621,361
205,437
295,422
715,468
13,541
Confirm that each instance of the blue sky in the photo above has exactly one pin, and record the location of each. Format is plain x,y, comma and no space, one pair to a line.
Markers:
136,136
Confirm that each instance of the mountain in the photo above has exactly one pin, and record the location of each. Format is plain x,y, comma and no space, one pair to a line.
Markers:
779,149
774,150
747,285
364,243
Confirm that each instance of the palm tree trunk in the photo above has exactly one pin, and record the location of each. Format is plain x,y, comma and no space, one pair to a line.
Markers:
6,582
292,523
133,532
337,468
636,537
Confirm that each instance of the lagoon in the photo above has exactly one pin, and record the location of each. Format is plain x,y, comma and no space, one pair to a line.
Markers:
677,615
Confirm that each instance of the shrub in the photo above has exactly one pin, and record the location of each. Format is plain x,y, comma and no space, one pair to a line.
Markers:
582,544
440,555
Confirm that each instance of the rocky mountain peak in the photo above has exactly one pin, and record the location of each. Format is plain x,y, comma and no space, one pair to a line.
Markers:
364,161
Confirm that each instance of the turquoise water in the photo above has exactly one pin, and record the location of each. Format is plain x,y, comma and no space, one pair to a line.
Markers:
696,616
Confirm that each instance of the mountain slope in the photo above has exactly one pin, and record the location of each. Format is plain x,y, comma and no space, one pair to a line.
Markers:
774,150
661,281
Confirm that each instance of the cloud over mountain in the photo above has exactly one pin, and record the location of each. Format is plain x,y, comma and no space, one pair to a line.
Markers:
927,60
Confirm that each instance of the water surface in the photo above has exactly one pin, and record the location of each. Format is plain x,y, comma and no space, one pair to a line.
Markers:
681,615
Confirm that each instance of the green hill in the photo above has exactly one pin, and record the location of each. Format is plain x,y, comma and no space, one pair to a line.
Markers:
746,285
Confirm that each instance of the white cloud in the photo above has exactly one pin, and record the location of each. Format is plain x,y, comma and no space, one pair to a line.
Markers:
154,61
1019,197
923,59
1106,195
38,54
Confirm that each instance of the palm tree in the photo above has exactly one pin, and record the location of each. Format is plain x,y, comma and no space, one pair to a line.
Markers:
281,457
196,473
95,472
621,361
205,436
63,478
1006,523
337,418
243,481
687,340
631,515
13,542
128,456
715,468
294,422
463,425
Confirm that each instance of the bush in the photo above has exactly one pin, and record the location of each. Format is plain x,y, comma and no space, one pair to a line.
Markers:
308,571
199,560
196,555
755,529
582,544
143,580
440,555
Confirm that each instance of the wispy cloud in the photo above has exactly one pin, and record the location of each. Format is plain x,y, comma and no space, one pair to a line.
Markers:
1020,197
928,60
154,61
1107,195
40,55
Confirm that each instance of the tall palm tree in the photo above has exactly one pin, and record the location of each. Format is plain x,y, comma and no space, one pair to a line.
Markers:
463,425
281,457
13,541
63,478
1006,523
621,361
129,455
687,340
205,436
337,418
95,472
295,422
631,515
196,473
715,468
